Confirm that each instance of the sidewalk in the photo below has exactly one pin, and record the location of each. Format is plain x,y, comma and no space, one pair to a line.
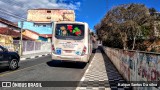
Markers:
95,77
34,55
101,75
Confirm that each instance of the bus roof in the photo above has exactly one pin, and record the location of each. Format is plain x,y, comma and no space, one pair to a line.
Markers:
71,22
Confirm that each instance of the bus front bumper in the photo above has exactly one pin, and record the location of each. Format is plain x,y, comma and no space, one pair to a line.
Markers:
70,58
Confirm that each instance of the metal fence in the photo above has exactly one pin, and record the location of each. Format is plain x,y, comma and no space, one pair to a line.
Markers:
29,47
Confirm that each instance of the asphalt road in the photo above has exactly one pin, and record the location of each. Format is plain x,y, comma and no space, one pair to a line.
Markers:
45,69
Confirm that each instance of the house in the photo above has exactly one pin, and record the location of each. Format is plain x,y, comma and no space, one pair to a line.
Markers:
40,20
49,15
39,27
13,33
11,29
31,34
37,36
9,24
9,34
45,37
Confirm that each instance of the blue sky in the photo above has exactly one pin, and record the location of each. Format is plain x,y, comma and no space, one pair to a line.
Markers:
90,11
148,3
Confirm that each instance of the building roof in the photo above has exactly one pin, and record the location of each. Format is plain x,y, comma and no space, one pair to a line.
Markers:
28,38
42,35
46,35
2,20
42,22
49,9
32,31
7,31
13,33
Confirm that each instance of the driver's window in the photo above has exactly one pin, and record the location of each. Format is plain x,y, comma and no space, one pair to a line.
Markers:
1,50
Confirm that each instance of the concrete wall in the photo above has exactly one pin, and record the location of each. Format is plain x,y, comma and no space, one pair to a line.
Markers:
30,47
136,66
50,15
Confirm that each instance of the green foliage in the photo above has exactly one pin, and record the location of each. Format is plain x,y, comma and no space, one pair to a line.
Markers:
152,10
123,25
140,46
153,50
145,31
92,33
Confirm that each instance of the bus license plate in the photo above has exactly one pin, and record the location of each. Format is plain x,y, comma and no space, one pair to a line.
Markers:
58,51
68,51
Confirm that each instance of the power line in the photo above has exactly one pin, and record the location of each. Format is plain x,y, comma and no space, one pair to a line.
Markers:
10,12
24,15
11,3
13,15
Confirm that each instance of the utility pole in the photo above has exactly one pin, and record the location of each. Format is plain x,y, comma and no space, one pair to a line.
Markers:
20,48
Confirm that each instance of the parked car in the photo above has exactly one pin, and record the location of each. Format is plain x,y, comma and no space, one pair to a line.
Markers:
9,59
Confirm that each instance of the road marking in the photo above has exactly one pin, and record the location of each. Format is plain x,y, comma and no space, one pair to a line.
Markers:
23,59
19,70
83,78
32,57
87,70
40,55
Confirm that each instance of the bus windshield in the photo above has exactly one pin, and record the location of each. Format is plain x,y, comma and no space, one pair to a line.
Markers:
74,31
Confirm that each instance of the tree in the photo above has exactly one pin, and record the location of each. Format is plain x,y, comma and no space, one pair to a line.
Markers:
126,21
92,33
97,28
152,11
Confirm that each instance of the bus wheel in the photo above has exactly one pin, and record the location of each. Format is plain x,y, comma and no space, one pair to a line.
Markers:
88,61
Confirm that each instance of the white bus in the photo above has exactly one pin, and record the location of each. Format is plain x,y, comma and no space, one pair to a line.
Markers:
71,41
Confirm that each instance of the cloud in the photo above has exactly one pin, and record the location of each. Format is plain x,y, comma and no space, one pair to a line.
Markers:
20,7
78,3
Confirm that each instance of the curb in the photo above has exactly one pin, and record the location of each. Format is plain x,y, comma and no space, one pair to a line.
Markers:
79,87
22,59
83,77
